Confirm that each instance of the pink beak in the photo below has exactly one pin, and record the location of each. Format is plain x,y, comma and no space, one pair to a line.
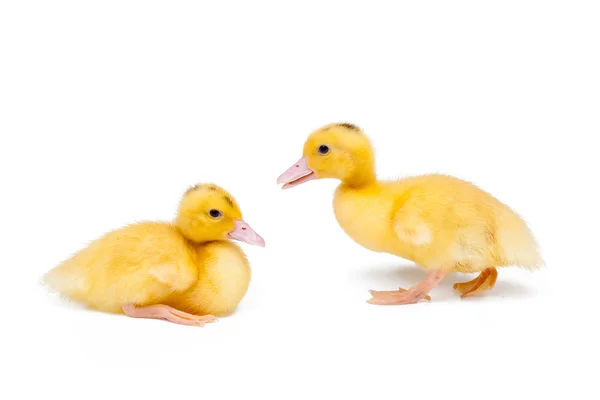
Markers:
296,174
244,233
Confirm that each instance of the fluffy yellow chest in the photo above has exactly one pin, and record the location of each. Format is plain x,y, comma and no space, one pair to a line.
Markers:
223,279
364,215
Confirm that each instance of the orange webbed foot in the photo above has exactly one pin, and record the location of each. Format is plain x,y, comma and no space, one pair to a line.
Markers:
485,281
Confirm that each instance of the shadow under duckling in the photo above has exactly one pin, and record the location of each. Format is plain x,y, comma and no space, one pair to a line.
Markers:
442,223
186,272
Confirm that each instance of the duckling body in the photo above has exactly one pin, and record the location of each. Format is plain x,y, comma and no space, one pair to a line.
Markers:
185,272
443,224
437,221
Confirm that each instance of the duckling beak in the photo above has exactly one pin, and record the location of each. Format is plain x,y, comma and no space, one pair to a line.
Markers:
244,233
296,174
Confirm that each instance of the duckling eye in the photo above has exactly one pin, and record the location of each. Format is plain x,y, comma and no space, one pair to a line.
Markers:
323,149
215,213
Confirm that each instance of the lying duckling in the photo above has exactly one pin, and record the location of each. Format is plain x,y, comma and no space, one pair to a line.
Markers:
441,223
184,272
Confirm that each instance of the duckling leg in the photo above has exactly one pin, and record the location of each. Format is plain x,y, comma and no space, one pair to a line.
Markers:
485,281
410,296
161,311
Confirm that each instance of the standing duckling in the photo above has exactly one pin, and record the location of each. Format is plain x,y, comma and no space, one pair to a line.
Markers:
184,272
441,223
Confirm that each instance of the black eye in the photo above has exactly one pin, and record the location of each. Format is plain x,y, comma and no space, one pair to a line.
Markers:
215,213
323,149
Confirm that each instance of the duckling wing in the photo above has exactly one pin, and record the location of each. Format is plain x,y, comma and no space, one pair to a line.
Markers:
412,229
173,276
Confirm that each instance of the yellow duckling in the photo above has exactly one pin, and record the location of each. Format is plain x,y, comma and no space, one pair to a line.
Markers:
441,223
184,272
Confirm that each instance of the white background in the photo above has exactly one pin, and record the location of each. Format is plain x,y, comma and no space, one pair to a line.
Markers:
110,110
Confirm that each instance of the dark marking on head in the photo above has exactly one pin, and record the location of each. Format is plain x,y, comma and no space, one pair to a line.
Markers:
212,188
195,187
229,201
349,126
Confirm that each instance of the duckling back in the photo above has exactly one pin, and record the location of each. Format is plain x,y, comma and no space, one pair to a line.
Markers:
128,265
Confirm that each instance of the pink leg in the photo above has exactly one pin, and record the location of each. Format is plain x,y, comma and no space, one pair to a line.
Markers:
161,311
410,296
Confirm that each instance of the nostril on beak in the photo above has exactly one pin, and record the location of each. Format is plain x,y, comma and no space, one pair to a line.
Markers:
243,228
297,166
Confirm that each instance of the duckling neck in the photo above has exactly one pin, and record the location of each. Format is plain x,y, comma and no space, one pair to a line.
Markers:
362,178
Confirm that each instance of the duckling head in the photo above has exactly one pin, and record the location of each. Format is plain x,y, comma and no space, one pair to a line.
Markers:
208,213
340,151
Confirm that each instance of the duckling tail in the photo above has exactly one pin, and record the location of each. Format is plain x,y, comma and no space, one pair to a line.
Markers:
517,244
66,279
